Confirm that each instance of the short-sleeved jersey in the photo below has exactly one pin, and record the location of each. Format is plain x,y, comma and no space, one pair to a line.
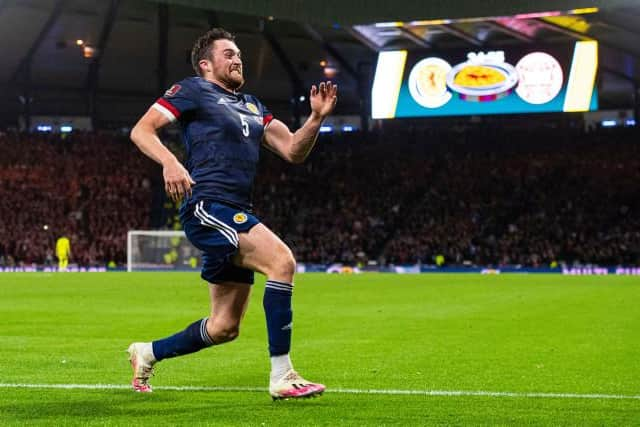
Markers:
222,133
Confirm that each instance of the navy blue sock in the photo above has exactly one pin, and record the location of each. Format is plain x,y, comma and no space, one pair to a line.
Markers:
277,308
192,339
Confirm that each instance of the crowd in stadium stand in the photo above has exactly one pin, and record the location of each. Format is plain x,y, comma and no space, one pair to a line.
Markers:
481,196
488,197
532,199
89,187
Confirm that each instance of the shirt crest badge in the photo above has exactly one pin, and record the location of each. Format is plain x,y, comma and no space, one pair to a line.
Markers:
252,107
240,218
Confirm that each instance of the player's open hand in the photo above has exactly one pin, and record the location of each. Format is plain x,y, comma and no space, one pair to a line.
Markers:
323,98
177,181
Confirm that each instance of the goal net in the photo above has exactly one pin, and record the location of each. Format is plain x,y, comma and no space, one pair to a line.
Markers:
154,250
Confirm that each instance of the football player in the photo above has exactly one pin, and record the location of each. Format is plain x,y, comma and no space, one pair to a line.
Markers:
223,130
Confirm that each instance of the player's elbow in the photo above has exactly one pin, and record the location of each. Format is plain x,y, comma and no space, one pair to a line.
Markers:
140,133
135,133
297,158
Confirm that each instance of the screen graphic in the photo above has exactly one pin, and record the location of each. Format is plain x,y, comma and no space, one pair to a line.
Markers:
543,79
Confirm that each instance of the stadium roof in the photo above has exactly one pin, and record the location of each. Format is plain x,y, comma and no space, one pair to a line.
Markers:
136,48
366,11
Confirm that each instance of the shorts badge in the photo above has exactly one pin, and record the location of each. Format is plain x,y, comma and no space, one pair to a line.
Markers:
240,218
252,107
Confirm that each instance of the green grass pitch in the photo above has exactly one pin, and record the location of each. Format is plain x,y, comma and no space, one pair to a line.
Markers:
467,333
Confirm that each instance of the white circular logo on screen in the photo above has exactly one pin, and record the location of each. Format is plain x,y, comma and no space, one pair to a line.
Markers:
428,82
540,78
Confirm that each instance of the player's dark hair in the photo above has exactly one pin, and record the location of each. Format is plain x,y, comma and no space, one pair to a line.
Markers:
202,47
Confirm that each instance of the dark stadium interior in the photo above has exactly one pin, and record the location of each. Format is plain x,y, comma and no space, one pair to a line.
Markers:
138,48
521,190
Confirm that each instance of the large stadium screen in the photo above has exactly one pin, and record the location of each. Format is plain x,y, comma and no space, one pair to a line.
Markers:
537,79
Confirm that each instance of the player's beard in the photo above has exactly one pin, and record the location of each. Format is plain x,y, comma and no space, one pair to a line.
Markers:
235,80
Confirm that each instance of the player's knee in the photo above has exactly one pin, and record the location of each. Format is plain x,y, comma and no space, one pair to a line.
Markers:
284,266
228,334
223,332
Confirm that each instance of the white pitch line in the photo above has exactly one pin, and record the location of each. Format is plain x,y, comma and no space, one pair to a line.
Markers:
334,390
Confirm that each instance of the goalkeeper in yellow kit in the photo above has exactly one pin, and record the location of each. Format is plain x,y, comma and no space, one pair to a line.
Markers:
63,252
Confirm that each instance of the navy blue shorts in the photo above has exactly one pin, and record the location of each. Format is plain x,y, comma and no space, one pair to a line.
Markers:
213,228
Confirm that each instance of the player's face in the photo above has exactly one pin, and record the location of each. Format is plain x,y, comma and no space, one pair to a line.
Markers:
227,64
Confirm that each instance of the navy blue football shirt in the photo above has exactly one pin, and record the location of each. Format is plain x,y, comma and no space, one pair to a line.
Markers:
222,132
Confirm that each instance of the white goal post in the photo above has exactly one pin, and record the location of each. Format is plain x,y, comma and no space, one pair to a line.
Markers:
161,250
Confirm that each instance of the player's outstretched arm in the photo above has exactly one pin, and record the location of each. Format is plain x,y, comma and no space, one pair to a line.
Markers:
295,147
177,181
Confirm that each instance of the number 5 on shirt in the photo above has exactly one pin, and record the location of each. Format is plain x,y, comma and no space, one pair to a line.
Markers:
245,125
